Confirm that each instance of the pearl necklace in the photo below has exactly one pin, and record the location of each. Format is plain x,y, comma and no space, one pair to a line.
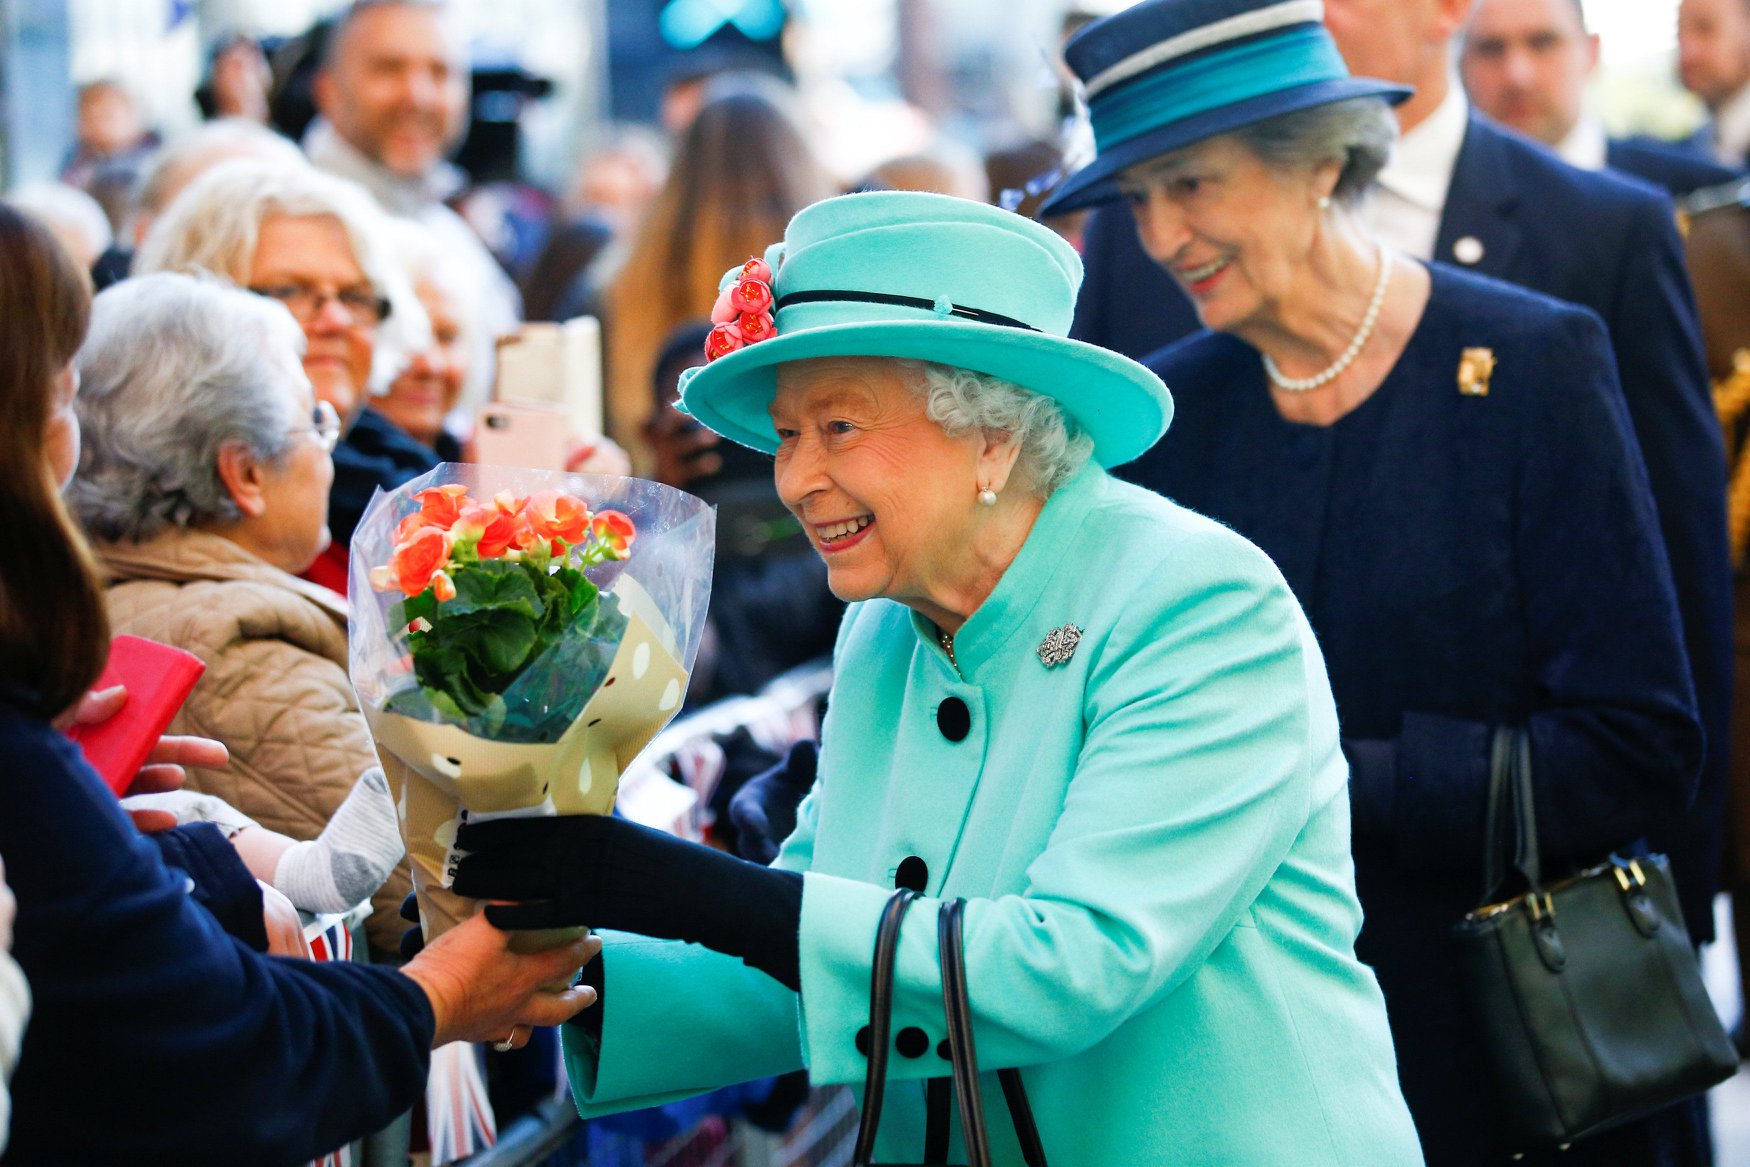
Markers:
1362,336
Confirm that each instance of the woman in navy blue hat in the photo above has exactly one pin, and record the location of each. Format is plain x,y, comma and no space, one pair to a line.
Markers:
1442,468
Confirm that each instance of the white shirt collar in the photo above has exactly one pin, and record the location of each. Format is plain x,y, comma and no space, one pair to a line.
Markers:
1732,128
1422,160
1587,145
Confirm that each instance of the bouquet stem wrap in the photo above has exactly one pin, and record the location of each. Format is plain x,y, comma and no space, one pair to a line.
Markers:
490,697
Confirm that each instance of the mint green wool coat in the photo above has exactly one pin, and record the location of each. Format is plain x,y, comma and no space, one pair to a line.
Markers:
1154,842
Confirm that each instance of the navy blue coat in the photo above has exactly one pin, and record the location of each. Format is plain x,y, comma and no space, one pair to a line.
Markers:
156,1038
1604,242
1465,562
376,454
1665,164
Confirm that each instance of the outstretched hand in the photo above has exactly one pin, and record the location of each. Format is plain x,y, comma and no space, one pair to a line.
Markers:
764,809
480,990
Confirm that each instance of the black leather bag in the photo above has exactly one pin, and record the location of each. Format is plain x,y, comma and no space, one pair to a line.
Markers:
965,1061
1587,989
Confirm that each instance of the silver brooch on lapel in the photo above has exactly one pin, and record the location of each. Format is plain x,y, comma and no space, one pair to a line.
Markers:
1059,645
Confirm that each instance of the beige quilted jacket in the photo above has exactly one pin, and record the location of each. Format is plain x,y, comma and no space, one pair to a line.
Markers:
275,691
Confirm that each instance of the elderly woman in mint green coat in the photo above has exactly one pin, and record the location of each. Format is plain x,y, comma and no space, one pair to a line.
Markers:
1099,718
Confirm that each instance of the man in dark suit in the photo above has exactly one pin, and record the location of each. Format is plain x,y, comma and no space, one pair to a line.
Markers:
1525,63
1461,189
1713,61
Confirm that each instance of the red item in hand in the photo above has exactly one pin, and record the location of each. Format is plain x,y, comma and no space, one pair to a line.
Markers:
159,679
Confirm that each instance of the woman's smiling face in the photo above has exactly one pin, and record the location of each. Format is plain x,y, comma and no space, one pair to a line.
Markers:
886,496
1232,231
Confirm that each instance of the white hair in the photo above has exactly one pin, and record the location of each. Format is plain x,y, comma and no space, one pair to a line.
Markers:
174,369
183,159
215,223
423,259
1052,446
74,216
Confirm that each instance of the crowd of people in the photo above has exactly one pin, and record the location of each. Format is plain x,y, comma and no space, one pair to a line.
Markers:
1180,546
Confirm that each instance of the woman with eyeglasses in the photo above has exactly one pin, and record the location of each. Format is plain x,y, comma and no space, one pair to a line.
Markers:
204,482
315,244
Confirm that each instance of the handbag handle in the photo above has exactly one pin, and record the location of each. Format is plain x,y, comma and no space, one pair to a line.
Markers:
950,939
880,1020
1510,808
958,1008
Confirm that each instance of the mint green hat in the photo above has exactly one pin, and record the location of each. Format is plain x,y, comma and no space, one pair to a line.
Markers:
933,278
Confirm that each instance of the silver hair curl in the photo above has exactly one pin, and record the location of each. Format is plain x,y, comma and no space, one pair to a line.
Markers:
1052,446
174,369
1357,132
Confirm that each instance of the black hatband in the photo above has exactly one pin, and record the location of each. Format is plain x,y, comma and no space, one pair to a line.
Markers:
825,295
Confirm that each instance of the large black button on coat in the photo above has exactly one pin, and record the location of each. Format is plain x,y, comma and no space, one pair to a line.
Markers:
954,719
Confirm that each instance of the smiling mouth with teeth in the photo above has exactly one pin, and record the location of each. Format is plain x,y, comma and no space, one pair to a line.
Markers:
1196,275
835,532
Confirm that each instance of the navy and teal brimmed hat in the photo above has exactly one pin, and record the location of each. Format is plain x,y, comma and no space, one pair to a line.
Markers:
1167,74
932,278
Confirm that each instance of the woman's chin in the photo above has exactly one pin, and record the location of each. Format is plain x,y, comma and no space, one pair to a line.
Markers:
422,425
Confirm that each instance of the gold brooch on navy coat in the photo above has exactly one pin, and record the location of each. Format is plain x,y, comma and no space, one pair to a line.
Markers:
1475,367
1059,645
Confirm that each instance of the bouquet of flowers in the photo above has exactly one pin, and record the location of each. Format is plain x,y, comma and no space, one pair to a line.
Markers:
518,636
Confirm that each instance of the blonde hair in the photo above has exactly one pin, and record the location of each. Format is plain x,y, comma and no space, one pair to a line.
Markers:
742,170
215,224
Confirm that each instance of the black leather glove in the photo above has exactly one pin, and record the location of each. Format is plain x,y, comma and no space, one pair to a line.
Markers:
764,809
600,872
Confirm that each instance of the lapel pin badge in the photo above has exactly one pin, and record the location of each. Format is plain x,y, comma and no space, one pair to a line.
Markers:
1468,251
1059,645
1475,367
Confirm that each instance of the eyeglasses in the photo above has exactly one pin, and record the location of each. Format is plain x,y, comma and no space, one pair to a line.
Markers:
305,303
324,425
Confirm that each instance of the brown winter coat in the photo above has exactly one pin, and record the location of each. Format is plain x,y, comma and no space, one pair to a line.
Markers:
276,690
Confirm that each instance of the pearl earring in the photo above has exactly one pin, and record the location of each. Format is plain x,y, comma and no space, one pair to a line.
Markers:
1324,202
988,497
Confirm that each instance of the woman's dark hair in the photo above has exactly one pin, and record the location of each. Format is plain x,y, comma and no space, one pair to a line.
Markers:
54,631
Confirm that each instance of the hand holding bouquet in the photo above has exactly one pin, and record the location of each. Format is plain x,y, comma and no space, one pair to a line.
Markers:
514,648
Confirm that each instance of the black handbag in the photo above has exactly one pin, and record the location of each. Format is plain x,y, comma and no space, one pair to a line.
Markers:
959,1015
1587,990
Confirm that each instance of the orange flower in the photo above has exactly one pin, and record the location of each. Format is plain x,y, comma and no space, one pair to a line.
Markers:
615,530
442,587
406,528
492,528
552,515
441,506
416,561
508,503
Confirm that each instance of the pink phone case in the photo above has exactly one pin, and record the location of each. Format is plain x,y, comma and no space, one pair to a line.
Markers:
515,433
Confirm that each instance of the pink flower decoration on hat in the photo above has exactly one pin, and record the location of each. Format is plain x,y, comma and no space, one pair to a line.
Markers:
743,311
724,339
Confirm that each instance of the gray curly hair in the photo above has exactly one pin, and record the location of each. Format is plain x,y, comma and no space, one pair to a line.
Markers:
1356,132
174,369
1052,446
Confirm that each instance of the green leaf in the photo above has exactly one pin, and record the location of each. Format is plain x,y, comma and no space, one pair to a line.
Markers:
494,584
446,705
500,639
